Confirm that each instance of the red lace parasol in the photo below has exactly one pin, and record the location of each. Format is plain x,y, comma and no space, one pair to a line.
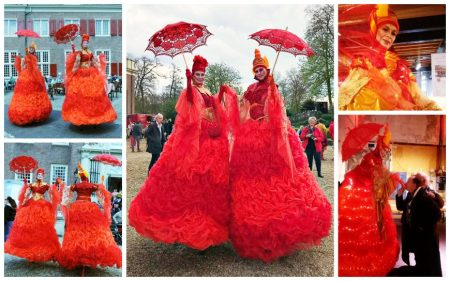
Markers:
66,34
27,33
357,139
108,159
23,164
282,41
178,38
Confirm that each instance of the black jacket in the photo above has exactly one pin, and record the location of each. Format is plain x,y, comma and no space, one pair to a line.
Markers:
425,214
155,142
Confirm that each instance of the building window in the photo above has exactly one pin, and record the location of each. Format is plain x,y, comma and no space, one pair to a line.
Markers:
102,28
40,26
10,27
29,177
58,171
94,173
43,59
71,21
107,54
8,67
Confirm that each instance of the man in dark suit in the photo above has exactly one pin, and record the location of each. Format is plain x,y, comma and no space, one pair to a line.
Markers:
155,139
423,213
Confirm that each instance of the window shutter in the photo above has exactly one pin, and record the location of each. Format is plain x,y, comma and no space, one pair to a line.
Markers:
29,24
53,70
113,68
113,27
52,27
91,27
20,24
120,69
119,27
60,24
83,27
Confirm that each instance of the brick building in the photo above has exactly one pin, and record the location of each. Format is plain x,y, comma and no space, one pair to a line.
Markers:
103,23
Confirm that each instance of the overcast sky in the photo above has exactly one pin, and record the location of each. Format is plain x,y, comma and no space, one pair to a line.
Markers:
231,26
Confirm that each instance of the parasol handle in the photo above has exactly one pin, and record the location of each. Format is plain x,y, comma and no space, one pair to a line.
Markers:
276,59
71,44
185,62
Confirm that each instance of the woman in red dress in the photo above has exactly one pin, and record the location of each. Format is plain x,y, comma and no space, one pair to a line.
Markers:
33,235
368,243
86,101
88,240
30,102
277,205
185,198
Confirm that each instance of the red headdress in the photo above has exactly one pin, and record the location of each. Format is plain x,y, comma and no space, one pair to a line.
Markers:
260,61
84,37
380,16
40,171
82,173
200,64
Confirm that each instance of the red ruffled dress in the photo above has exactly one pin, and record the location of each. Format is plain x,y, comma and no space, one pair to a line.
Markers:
277,205
364,250
185,198
86,101
88,240
30,102
33,235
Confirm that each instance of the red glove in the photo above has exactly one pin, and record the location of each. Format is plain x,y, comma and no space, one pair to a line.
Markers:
188,74
222,91
189,91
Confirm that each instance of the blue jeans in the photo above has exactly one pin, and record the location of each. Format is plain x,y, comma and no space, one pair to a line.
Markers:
8,225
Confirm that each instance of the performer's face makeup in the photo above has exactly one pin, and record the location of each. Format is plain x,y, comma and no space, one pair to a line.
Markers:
85,44
199,77
386,35
31,50
260,73
40,176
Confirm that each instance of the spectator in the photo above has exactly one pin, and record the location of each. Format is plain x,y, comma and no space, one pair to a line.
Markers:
10,214
136,133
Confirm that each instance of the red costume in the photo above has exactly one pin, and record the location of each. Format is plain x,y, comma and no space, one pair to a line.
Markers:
375,78
33,235
185,198
30,102
277,205
368,243
86,101
88,240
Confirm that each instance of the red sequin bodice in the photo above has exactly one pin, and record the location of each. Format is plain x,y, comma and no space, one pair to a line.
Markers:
84,190
41,189
257,94
85,57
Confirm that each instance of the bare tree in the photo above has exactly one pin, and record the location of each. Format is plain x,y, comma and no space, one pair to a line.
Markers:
318,70
221,73
146,76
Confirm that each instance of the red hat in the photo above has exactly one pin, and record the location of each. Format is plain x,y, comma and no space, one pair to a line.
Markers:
40,171
85,37
200,64
380,16
260,61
